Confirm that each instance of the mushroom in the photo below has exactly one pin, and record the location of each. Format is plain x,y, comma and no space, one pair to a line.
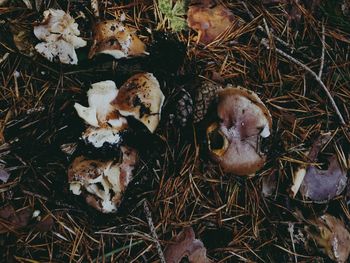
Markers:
316,184
102,182
113,38
234,141
142,98
106,123
331,234
60,34
209,22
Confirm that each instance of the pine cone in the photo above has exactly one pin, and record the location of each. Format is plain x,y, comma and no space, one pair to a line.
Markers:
206,94
183,111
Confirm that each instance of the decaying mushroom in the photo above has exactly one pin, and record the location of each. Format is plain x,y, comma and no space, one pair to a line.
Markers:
331,234
102,182
142,98
60,34
105,122
209,22
234,140
316,184
185,245
113,38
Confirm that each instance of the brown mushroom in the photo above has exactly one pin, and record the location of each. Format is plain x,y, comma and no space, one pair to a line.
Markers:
331,235
142,98
113,38
234,140
102,182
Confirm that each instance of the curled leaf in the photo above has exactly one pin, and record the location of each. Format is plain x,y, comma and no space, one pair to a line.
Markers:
185,245
209,22
332,236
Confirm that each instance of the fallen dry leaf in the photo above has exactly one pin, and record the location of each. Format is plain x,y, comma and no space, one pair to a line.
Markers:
10,219
185,245
45,224
209,22
330,233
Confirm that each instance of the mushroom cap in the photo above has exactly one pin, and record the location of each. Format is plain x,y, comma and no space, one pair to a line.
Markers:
102,182
60,34
234,141
141,97
114,38
106,123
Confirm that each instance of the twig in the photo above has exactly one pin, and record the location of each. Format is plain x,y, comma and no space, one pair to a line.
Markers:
281,41
317,78
323,50
153,231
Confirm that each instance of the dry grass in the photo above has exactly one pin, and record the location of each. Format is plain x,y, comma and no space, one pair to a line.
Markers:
180,184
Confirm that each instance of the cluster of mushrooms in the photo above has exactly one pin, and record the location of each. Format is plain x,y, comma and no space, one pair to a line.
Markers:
234,138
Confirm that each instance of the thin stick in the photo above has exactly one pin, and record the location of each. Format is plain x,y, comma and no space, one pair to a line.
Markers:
281,41
323,51
317,78
153,231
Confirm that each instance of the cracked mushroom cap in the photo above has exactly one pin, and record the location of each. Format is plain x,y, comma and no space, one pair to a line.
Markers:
141,97
113,38
102,183
106,123
60,34
234,141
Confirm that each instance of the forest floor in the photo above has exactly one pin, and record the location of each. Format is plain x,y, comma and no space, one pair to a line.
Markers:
179,183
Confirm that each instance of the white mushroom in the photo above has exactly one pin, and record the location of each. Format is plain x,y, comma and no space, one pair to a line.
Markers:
104,119
60,34
140,97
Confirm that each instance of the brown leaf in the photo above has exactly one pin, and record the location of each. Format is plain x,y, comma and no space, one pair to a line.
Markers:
185,245
331,234
45,224
209,22
10,219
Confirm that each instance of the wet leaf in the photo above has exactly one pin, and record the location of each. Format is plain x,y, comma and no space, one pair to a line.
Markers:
186,246
10,219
